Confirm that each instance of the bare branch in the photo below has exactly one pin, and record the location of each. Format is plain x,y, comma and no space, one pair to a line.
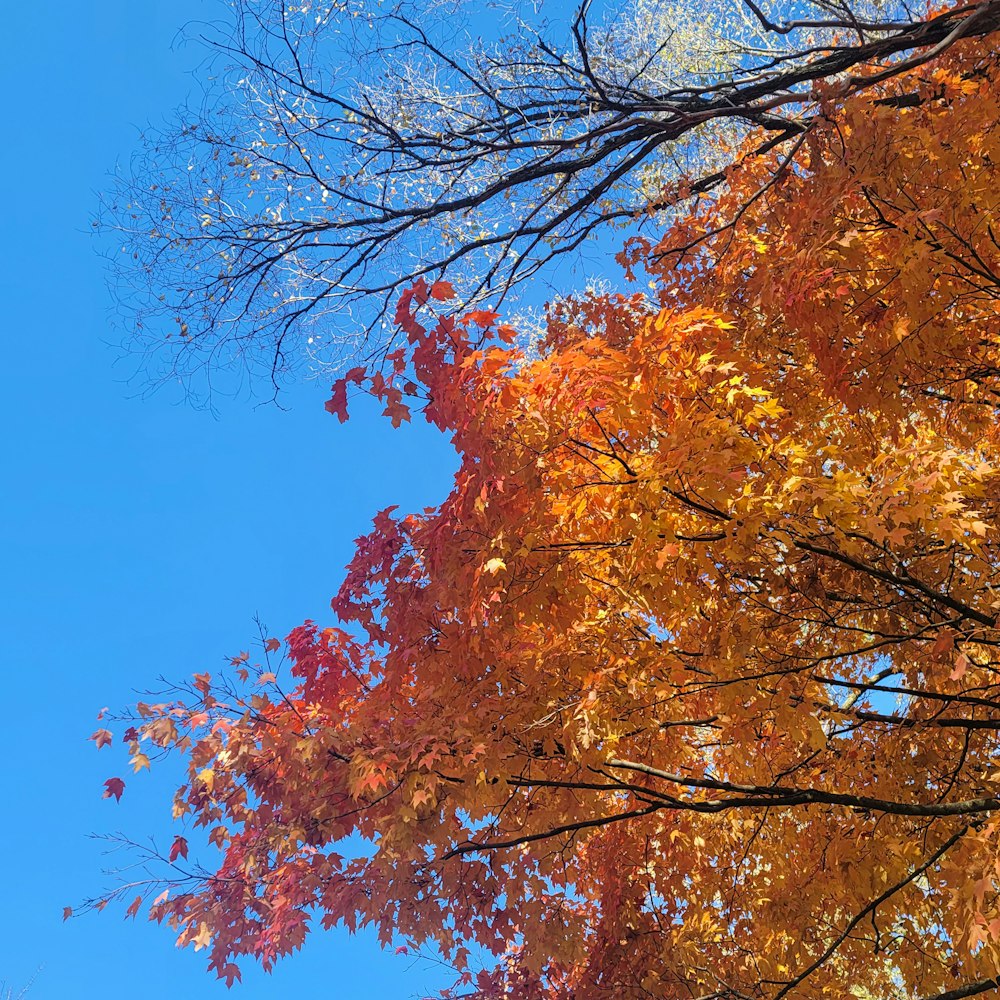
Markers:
345,152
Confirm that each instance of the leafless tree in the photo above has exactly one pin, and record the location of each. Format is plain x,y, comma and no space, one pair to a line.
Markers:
345,149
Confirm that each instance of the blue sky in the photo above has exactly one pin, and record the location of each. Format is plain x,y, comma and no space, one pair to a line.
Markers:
139,537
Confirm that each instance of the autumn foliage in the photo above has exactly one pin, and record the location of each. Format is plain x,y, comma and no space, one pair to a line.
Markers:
688,688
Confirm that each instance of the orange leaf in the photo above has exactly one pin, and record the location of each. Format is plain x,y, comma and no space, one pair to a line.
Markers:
481,317
944,642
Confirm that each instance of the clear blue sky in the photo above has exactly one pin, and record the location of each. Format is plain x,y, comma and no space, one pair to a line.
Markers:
139,537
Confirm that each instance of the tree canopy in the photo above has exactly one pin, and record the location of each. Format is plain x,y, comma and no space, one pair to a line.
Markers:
688,687
345,149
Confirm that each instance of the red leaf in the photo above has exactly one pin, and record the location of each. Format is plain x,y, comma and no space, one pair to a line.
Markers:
404,315
133,907
420,291
272,645
179,848
397,412
442,290
67,912
337,403
115,787
402,949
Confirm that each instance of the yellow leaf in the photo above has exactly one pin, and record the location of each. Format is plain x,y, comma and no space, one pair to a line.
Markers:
203,938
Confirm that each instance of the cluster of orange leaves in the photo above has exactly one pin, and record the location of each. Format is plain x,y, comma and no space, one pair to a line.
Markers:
688,687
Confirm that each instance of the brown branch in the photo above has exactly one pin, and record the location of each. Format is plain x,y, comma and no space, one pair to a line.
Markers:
969,990
784,795
471,846
902,580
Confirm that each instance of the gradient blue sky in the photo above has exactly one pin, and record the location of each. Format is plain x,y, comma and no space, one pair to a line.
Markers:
139,537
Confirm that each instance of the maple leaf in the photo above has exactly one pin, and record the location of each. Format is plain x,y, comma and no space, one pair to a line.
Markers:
944,643
203,938
179,848
397,412
961,665
102,738
337,403
115,787
226,970
480,317
272,645
442,290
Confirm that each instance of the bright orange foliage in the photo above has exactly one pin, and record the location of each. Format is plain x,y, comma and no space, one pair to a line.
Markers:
689,688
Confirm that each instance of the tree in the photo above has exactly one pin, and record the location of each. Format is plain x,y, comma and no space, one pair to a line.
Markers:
349,150
689,688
